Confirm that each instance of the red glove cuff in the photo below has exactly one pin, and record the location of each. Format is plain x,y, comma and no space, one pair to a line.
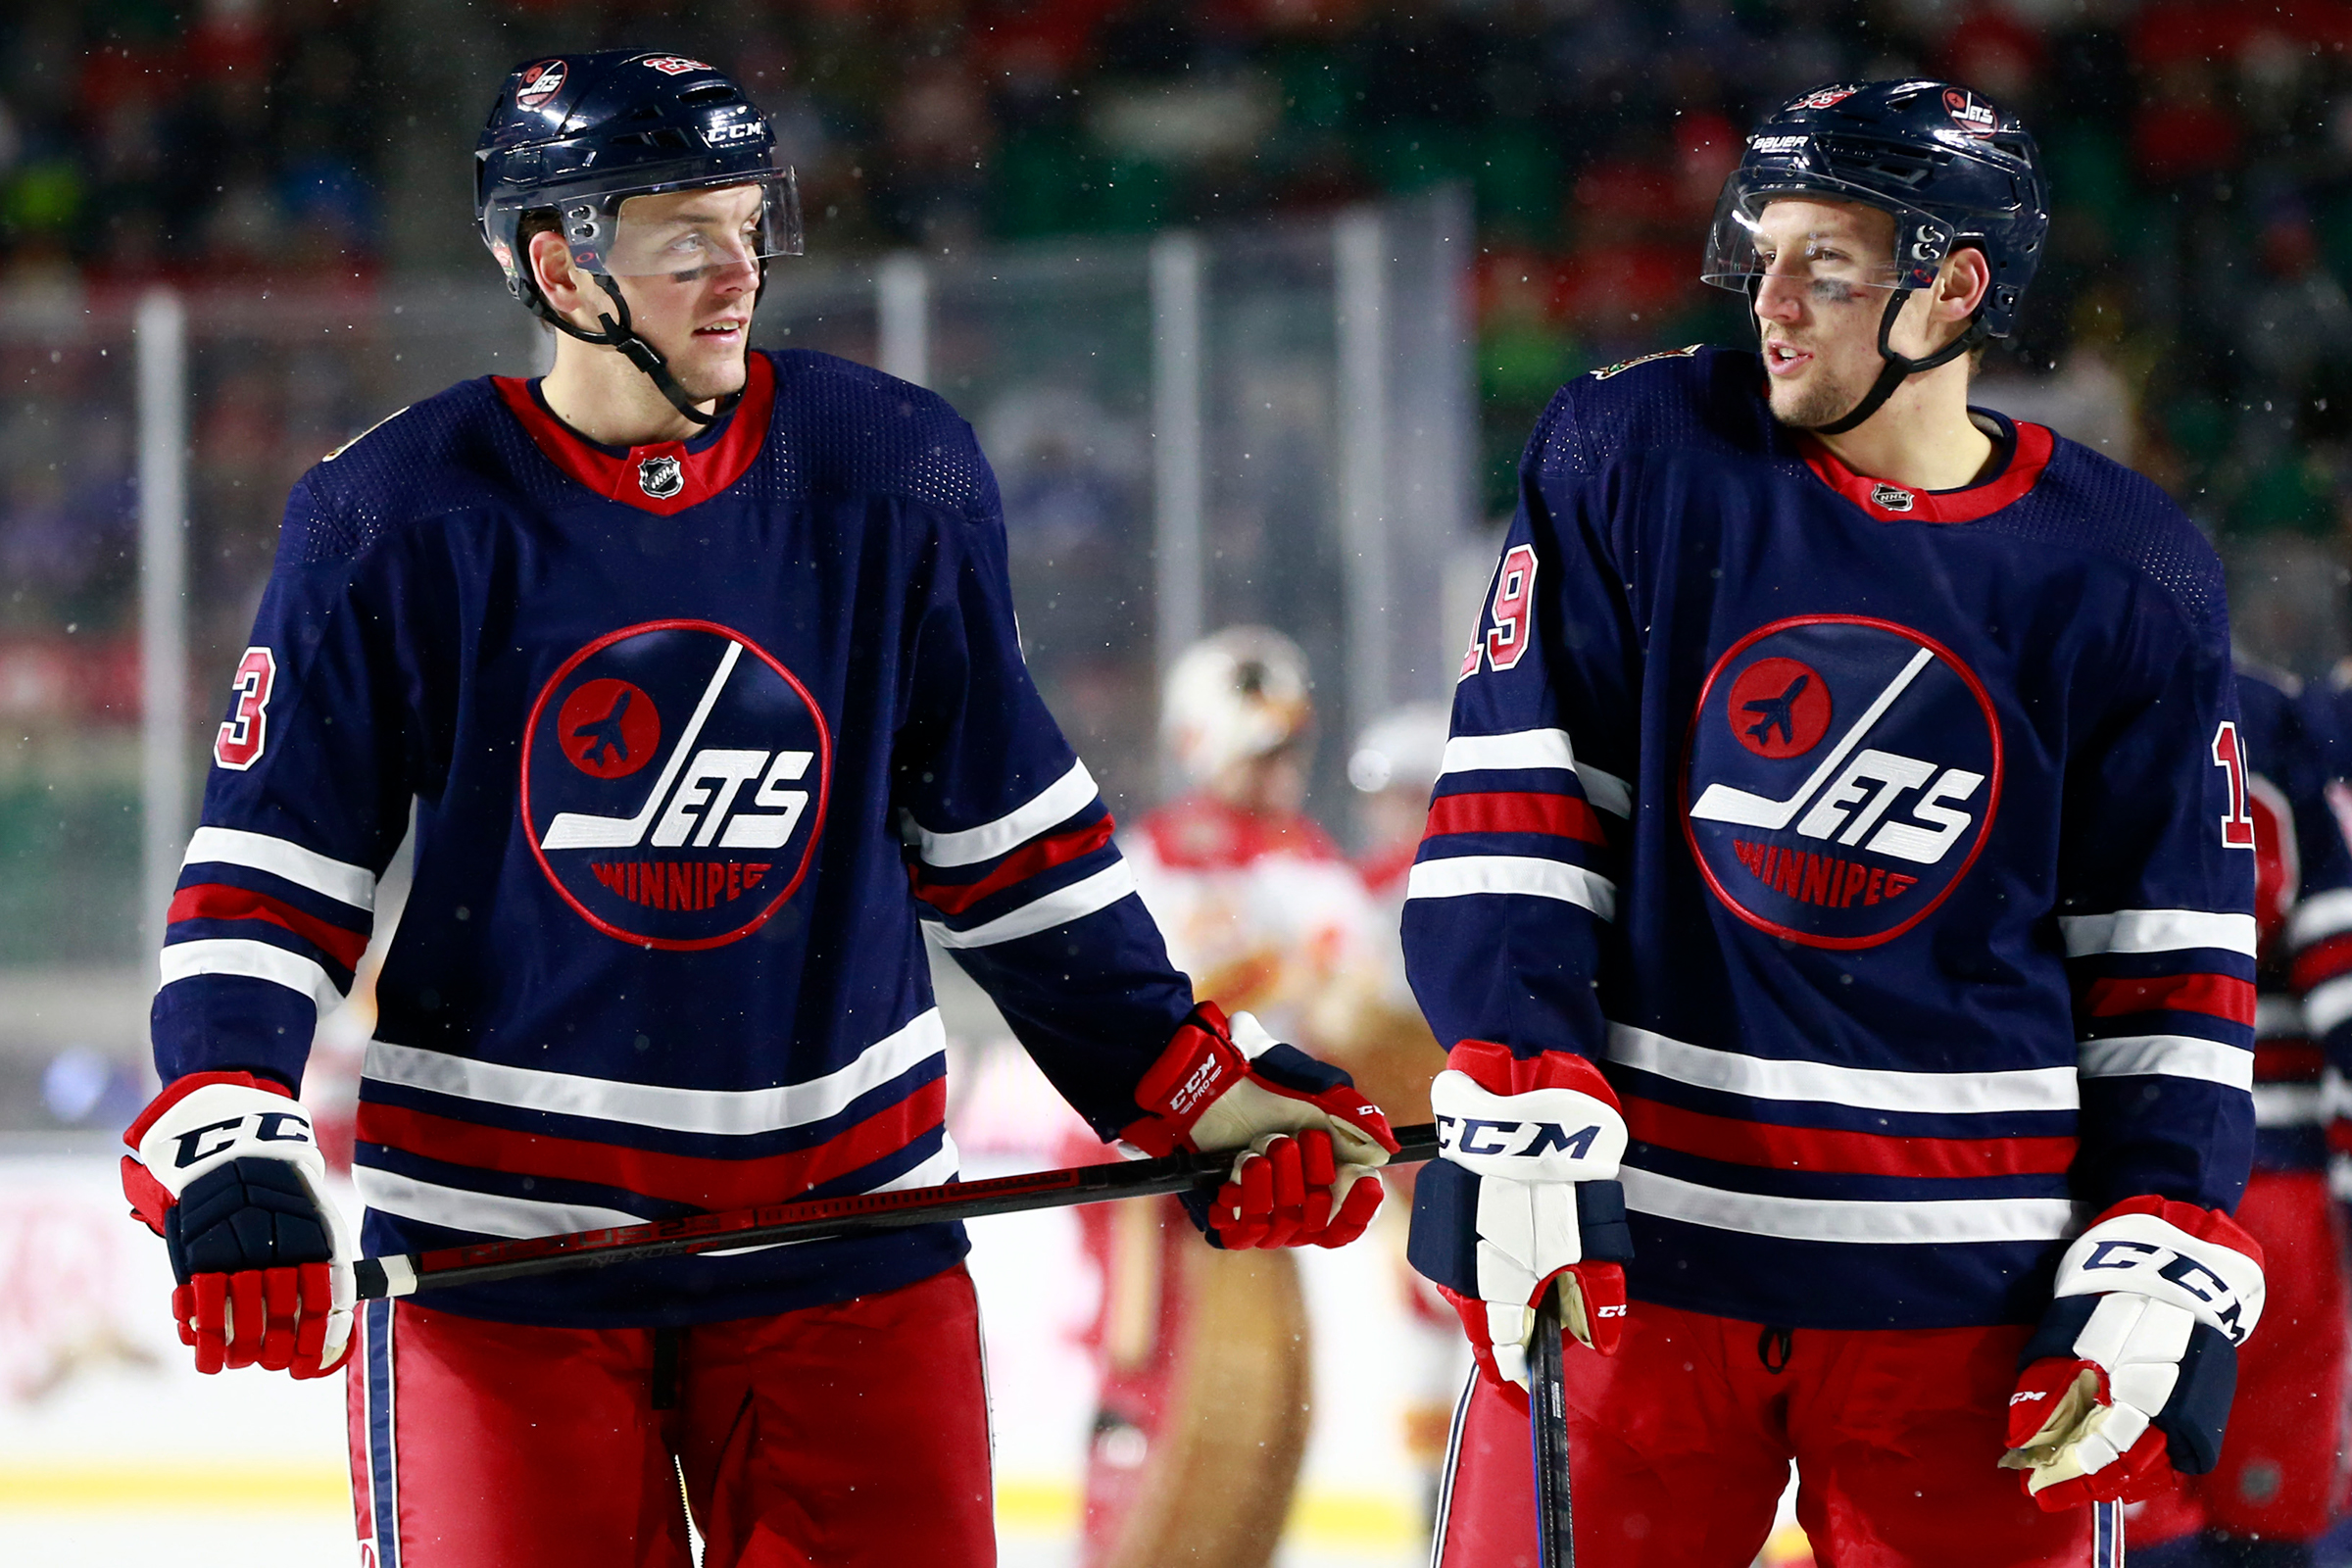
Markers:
179,1088
1495,1069
2193,1219
1199,1063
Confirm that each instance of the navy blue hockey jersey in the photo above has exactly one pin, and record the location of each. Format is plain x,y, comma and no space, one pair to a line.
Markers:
2303,911
1890,849
695,732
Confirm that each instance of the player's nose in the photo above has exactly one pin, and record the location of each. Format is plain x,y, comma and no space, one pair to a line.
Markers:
1779,297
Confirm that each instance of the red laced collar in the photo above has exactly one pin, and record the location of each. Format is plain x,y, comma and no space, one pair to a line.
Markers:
2029,449
665,476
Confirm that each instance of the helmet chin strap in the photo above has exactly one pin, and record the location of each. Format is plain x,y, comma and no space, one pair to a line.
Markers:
618,333
1898,366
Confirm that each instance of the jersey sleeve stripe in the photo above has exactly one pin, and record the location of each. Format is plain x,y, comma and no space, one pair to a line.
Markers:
1467,874
708,1183
2156,931
2289,1105
2323,915
1060,907
2320,962
1042,854
2169,1056
2221,995
2278,1018
217,900
252,961
1951,1222
726,1112
2289,1061
1515,811
1821,1148
2328,1004
1535,749
1058,801
354,885
2027,1089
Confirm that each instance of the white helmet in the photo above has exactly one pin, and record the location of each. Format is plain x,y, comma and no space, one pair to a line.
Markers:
1240,694
1402,750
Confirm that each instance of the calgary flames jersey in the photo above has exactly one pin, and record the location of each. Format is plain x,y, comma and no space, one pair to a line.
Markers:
1265,914
695,732
1890,849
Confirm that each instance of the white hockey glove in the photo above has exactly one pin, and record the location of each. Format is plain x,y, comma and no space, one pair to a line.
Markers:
1524,1192
2128,1379
1308,1140
227,1173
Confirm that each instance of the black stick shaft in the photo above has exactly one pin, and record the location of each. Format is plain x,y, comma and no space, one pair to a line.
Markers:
1548,1417
814,1219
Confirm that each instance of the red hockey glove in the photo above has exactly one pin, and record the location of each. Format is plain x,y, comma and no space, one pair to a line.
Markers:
1308,1139
229,1175
1524,1193
2128,1382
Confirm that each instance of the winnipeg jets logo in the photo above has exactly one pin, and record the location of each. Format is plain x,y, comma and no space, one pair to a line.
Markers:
1970,112
540,82
660,477
683,837
1841,777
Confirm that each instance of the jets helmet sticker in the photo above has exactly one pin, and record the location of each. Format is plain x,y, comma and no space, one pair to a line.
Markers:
539,83
1841,777
674,777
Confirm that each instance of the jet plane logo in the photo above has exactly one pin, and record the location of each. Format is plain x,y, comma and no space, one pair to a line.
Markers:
1779,708
609,728
678,839
1841,777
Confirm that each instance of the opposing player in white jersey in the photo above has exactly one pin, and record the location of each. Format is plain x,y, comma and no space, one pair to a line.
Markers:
1205,1361
1837,907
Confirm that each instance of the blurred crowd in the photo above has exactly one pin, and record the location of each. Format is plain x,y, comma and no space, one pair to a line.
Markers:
300,165
2201,153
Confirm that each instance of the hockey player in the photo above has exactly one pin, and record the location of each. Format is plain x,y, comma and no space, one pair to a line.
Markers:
1837,908
2280,1483
700,668
1205,1359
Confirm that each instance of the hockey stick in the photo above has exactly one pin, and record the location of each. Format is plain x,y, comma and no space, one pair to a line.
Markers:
1548,1418
812,1219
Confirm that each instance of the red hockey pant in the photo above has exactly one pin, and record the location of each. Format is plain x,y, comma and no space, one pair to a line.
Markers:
2282,1463
1680,1447
854,1433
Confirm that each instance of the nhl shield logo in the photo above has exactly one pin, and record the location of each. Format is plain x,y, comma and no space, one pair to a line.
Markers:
1892,499
1841,778
660,477
674,777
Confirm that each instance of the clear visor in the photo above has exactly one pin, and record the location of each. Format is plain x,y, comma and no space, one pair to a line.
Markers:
687,234
1835,246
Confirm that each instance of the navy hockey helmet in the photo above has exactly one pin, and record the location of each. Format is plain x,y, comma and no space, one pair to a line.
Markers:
1953,171
574,137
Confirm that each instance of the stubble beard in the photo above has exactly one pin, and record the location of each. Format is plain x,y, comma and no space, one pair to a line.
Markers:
708,383
1825,399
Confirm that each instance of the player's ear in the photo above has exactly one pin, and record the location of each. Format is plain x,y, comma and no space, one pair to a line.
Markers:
564,286
1961,285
